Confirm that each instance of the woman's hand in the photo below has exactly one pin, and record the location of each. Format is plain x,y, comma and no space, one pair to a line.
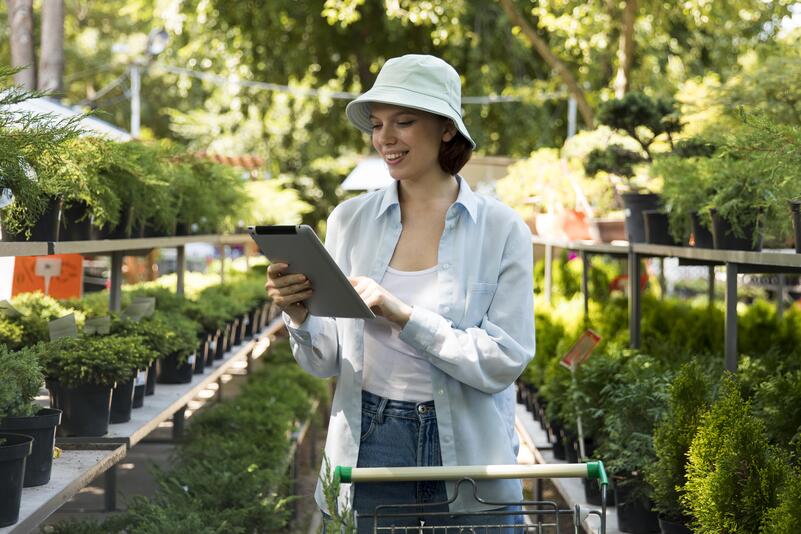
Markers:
288,291
381,301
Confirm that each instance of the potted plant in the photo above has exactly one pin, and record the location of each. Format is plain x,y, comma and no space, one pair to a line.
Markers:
140,356
690,398
80,373
36,311
732,472
14,449
645,120
20,380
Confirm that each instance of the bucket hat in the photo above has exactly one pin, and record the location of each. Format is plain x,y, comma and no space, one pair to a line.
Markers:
414,81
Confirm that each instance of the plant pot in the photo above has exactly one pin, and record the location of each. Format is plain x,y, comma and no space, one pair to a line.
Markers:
211,339
795,207
13,453
140,384
152,373
222,342
201,355
592,493
45,229
635,204
634,515
76,223
608,230
122,401
265,315
724,238
571,448
86,408
701,235
558,446
253,325
235,337
657,228
244,321
673,527
42,428
172,372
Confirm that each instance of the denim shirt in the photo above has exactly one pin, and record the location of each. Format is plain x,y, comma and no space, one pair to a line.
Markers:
478,342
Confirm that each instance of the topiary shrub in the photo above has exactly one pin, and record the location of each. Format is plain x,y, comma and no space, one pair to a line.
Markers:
732,470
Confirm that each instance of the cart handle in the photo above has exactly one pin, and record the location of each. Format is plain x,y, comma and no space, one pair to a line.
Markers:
591,470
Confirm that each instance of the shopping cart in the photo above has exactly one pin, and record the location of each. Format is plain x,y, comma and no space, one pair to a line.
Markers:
541,517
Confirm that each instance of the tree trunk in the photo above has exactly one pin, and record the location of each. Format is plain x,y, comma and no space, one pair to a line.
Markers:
20,18
550,58
51,56
625,52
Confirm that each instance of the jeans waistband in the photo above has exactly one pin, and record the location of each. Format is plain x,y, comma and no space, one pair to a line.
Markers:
382,406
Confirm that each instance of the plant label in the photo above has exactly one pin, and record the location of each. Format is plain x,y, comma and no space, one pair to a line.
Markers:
97,325
6,197
140,308
47,268
191,359
141,378
581,350
8,310
63,327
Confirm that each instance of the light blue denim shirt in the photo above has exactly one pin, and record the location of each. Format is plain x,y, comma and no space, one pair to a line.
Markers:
478,342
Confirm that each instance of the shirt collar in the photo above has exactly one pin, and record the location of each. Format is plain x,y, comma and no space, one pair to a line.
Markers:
466,198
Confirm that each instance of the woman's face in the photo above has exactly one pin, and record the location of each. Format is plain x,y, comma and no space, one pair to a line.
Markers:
408,140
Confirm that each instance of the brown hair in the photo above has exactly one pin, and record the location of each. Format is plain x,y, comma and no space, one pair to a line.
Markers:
454,154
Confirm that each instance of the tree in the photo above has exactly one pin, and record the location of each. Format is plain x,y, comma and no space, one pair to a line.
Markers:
51,55
20,18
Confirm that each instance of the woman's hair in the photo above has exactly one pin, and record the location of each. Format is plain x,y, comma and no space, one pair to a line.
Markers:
454,154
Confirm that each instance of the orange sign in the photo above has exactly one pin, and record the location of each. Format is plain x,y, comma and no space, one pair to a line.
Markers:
60,275
581,350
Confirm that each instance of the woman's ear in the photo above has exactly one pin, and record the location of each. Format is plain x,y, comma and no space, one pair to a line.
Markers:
450,131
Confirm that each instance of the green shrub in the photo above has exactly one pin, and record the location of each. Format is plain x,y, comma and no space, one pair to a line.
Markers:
10,334
166,334
786,517
20,380
732,471
37,310
777,401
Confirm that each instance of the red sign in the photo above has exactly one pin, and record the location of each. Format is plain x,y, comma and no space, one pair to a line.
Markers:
581,349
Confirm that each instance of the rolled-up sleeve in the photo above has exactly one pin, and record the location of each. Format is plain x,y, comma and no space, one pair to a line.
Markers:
490,356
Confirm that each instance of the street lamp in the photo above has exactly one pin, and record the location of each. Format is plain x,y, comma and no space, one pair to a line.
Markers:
157,41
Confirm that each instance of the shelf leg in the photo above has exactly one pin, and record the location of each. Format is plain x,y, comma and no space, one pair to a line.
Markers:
780,296
110,489
731,317
662,280
710,291
115,292
249,368
635,304
222,263
219,388
548,272
180,269
178,420
585,289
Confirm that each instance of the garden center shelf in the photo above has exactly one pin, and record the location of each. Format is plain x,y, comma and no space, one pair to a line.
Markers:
736,262
71,472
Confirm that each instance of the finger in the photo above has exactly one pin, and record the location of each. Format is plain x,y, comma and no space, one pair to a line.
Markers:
294,288
289,280
297,297
275,269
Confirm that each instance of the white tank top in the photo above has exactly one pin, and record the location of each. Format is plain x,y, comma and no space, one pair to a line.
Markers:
393,369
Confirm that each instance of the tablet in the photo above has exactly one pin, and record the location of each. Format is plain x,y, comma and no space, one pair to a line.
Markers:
299,247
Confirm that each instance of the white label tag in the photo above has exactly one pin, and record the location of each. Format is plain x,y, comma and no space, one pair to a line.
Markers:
141,378
63,327
191,360
6,197
97,325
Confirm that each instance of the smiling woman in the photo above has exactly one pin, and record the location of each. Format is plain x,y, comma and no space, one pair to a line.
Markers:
448,273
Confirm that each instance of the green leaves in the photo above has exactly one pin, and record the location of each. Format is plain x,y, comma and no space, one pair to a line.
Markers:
20,380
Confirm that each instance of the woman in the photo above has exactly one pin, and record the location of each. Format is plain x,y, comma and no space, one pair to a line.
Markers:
448,274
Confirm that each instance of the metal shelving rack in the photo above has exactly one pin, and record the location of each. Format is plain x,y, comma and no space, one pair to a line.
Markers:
735,261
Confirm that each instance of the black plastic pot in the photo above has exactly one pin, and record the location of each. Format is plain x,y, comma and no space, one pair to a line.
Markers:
42,428
558,446
201,355
634,515
703,237
152,373
45,229
173,372
235,337
592,492
212,343
657,228
13,452
76,223
140,384
222,342
673,527
122,401
86,408
724,238
265,315
253,326
571,448
795,207
635,204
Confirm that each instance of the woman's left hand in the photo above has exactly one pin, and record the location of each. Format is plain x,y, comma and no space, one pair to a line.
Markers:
381,301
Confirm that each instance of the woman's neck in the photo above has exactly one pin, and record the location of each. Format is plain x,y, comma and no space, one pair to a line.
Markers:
436,190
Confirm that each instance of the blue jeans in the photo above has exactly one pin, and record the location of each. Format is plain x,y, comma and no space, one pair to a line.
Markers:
403,434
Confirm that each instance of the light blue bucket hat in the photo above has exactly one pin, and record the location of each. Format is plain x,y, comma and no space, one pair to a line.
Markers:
414,81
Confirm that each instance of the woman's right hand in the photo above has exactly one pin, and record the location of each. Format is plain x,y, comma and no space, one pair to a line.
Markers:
288,291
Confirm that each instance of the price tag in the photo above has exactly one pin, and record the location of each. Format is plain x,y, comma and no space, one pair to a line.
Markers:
581,350
140,308
63,327
141,378
191,359
8,310
6,197
97,325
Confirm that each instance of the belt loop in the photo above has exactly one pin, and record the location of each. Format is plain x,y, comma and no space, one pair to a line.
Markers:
379,414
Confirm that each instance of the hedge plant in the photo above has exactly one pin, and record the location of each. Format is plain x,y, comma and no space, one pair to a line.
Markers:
20,380
166,334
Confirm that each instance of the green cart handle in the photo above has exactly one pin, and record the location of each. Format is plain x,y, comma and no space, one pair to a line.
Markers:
591,470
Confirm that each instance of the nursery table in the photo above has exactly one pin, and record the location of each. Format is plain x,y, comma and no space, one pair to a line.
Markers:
73,470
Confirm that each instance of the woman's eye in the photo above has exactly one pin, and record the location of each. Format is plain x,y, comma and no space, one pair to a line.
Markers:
405,123
374,126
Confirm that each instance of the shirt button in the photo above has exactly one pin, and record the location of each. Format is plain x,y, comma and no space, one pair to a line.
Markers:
446,266
441,391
